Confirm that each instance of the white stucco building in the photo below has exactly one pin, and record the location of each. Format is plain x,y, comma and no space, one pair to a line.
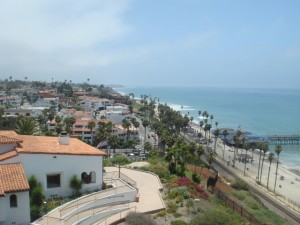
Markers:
53,161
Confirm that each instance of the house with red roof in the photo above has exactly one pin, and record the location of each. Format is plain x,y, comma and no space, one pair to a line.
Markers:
52,160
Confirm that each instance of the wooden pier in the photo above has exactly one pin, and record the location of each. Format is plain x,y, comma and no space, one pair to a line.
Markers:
293,139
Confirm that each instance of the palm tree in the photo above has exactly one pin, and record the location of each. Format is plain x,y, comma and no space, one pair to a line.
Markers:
261,146
236,141
200,152
210,157
201,123
278,150
216,123
265,149
270,158
114,142
211,119
145,124
26,126
246,147
91,125
225,133
126,125
192,149
216,134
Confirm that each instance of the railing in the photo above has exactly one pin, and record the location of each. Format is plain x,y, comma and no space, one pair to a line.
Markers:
115,175
236,207
116,217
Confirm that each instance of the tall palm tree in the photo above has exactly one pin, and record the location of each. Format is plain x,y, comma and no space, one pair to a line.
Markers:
265,149
145,124
210,157
91,125
200,152
246,147
225,133
236,141
216,134
278,150
216,123
26,126
261,146
126,125
270,158
211,118
114,142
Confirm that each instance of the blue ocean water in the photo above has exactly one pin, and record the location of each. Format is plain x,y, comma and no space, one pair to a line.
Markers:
260,111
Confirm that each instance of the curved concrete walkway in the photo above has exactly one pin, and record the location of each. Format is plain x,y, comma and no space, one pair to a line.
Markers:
150,199
149,187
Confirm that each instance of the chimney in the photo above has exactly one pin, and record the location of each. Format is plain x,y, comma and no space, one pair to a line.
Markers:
63,138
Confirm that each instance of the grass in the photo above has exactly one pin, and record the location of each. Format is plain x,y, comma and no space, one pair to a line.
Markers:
254,206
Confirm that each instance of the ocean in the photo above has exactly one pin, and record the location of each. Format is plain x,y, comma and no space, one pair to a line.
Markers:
259,111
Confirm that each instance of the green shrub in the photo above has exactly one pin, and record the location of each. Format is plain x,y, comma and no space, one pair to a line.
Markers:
180,191
241,195
240,185
177,214
179,222
162,213
134,218
195,178
75,184
214,217
171,207
37,196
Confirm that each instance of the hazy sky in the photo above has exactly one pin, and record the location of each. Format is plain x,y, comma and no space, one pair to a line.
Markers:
253,43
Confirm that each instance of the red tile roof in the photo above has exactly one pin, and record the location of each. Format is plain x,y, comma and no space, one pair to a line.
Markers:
49,145
12,178
9,140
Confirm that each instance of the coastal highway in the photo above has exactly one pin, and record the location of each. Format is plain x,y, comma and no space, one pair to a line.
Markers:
269,201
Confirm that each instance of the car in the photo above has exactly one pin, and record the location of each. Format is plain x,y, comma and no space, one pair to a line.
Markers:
143,156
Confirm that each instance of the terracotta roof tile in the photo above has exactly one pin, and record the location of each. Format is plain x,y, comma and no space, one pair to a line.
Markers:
9,140
12,178
50,145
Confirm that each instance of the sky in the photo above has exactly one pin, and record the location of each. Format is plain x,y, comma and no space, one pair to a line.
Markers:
211,43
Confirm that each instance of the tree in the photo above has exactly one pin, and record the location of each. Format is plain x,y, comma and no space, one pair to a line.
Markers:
69,122
261,146
278,149
246,147
216,134
225,133
26,126
114,142
270,158
265,149
211,119
210,157
75,184
126,125
145,124
200,152
91,125
120,160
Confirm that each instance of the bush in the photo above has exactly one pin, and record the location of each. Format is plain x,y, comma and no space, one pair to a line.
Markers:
177,214
195,178
241,195
179,222
134,218
240,185
215,217
162,213
172,207
75,184
37,196
180,191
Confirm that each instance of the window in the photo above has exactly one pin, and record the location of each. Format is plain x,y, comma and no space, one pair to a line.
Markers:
93,177
85,178
53,181
13,201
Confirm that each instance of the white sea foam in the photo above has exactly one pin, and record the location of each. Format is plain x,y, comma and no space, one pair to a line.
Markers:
177,107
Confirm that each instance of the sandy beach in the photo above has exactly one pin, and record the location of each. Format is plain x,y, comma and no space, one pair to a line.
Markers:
288,179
